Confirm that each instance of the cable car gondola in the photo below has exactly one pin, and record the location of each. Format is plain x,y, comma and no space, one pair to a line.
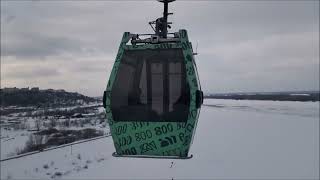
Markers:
153,96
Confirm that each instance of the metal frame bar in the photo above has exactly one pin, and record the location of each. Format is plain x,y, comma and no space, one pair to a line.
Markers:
114,154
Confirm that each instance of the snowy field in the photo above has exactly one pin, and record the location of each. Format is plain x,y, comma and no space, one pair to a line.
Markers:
16,127
234,140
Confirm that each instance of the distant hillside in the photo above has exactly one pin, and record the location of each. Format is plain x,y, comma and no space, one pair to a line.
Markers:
275,96
36,97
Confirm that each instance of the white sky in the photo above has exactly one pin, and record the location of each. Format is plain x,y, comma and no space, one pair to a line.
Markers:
243,45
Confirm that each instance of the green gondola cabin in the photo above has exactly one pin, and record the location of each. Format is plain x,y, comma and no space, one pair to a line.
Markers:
153,96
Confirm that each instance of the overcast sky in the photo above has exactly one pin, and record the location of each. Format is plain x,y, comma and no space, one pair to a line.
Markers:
243,46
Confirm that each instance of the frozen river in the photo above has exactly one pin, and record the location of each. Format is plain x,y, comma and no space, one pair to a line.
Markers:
234,140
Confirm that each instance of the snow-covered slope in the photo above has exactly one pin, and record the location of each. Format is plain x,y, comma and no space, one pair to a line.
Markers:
234,140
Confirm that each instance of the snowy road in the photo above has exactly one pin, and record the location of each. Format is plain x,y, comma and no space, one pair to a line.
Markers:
234,140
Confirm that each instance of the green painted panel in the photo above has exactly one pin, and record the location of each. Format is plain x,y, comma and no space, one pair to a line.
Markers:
155,138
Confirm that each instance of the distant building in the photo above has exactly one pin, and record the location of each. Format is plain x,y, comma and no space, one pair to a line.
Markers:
35,89
50,90
24,89
10,90
60,90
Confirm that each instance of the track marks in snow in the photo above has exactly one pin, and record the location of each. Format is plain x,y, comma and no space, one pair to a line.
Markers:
76,164
51,170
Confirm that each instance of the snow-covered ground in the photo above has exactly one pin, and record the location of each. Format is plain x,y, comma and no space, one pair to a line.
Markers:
234,140
15,127
12,141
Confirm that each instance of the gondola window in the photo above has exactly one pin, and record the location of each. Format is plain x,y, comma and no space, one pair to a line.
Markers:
151,86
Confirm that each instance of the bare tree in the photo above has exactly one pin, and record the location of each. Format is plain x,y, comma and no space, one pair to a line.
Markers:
67,122
53,122
38,124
